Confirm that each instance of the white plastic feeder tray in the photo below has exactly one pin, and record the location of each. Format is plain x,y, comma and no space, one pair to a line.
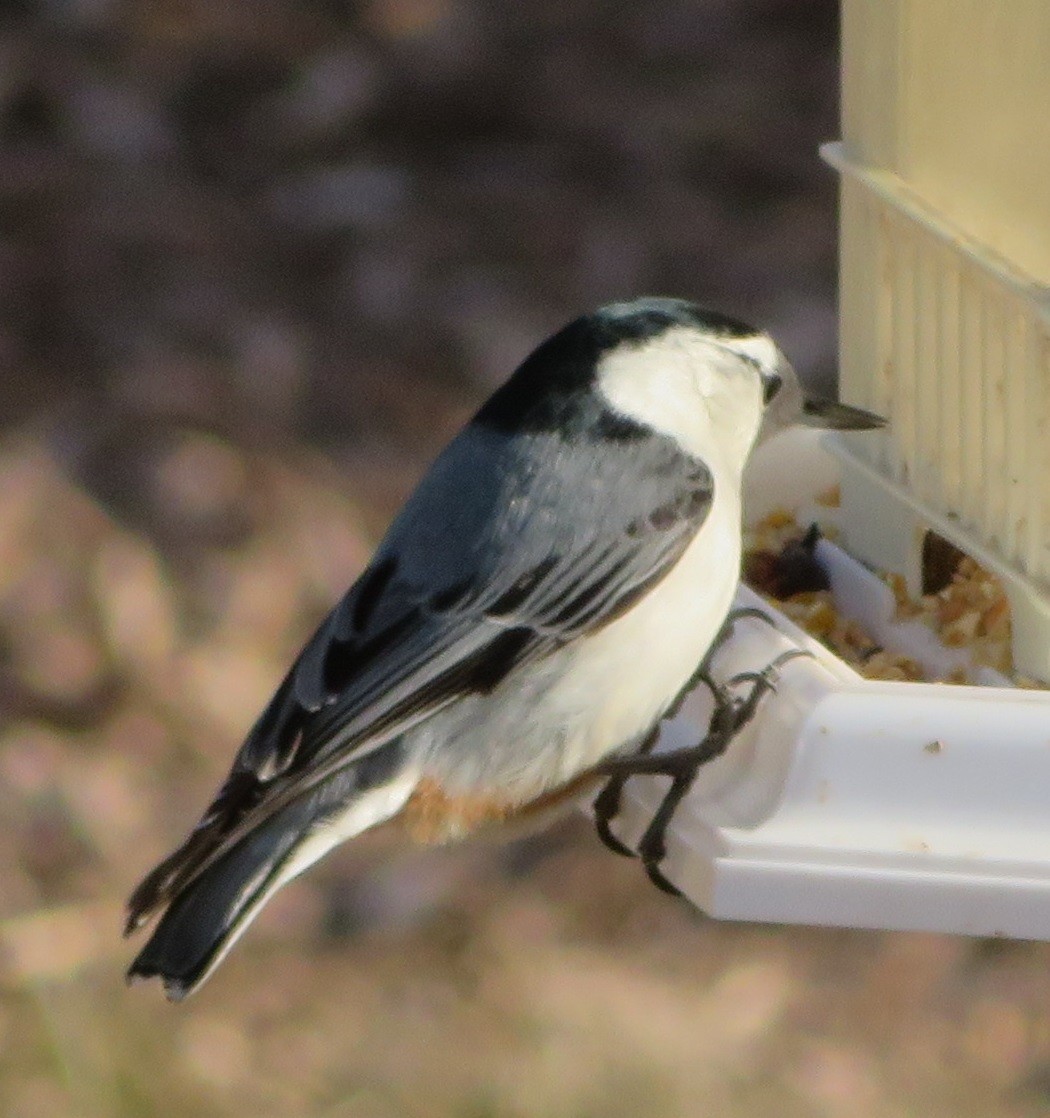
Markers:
857,803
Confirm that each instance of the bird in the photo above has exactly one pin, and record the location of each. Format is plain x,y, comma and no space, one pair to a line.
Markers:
534,610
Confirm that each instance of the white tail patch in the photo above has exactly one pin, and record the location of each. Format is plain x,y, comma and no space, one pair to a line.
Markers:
366,810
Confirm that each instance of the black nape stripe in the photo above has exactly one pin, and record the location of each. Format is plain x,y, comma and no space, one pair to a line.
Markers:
548,390
611,427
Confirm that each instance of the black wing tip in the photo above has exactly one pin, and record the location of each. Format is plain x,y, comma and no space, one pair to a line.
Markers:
169,877
133,921
149,895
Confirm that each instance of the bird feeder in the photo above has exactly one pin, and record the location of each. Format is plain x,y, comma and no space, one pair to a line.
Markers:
907,805
945,291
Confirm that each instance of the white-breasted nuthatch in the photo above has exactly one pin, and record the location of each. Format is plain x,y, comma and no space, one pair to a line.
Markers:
534,610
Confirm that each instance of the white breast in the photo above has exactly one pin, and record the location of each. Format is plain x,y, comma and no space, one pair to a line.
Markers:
619,681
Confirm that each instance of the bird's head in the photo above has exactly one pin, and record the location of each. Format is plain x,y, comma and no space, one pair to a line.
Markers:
711,382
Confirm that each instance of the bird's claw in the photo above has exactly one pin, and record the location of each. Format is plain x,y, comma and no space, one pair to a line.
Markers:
730,715
606,808
769,675
656,876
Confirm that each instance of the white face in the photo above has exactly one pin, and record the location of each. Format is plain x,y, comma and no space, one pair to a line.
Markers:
702,390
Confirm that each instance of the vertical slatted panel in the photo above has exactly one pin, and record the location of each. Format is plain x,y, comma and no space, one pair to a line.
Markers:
929,267
901,358
1039,435
881,310
966,378
1028,463
1016,349
962,369
993,376
952,445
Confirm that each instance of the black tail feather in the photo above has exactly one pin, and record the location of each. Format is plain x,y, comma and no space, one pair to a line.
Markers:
216,881
202,922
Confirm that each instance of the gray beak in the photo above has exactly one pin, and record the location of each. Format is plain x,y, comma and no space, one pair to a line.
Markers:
834,416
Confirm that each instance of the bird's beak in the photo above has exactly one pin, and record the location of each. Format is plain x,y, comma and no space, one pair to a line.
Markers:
817,412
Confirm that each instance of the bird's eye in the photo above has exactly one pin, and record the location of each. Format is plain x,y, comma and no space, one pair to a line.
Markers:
771,385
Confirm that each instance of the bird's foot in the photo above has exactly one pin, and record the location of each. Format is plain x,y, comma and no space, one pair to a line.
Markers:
703,672
731,714
762,682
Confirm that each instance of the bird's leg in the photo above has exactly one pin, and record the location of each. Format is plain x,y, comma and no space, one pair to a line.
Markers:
607,803
735,615
732,617
703,672
682,765
652,846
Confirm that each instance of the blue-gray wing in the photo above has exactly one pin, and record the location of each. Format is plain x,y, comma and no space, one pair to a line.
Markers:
508,548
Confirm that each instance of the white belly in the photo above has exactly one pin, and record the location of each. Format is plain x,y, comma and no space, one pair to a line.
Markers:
622,679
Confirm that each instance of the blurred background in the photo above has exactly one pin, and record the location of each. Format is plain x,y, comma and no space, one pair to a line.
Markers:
258,260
